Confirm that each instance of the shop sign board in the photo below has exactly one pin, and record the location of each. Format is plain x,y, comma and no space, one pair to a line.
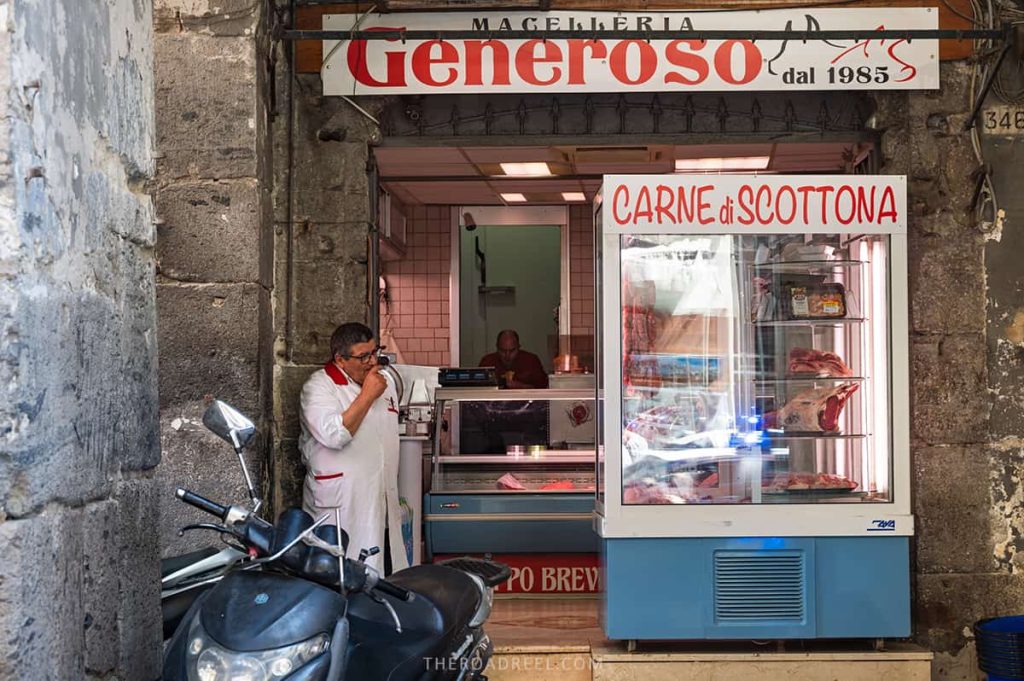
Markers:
503,65
733,204
547,573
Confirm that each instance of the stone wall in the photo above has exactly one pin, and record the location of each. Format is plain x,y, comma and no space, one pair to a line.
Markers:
214,245
965,285
79,582
321,227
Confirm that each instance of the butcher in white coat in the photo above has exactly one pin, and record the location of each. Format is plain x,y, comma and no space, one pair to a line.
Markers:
349,444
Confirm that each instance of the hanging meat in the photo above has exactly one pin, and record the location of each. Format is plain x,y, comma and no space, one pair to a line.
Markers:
812,411
806,361
639,330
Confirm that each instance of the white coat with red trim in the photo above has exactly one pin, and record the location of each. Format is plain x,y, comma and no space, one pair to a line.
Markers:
357,474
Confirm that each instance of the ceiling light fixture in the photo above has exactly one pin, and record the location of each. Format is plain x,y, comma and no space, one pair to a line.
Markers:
513,198
698,165
574,196
526,169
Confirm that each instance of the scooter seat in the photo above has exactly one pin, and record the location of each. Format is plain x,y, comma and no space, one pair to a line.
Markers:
453,592
445,602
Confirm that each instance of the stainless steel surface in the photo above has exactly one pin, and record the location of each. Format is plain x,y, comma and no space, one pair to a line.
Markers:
480,517
549,456
497,395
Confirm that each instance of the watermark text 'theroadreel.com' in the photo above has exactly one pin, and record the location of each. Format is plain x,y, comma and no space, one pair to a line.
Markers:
525,663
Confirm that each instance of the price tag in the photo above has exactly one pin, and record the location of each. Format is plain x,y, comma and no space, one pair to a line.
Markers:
1002,119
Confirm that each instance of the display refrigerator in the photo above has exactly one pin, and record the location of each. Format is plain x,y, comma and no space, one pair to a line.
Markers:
753,418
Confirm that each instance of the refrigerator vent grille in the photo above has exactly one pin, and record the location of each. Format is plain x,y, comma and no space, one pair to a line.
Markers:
751,586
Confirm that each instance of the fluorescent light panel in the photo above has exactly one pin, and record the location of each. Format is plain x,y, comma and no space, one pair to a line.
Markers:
525,169
513,198
712,164
574,196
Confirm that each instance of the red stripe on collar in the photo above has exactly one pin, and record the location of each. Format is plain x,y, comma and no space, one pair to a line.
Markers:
336,374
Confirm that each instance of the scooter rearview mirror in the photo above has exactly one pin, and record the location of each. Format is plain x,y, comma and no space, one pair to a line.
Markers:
237,430
229,424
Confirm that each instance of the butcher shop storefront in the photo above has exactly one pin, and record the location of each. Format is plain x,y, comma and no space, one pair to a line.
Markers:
687,218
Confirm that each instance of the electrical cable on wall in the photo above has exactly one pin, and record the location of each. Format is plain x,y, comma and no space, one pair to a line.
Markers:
986,206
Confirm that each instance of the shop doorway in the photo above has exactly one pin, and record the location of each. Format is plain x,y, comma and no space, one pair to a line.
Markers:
511,275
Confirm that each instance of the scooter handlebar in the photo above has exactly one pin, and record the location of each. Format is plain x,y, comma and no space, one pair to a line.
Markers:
398,592
202,503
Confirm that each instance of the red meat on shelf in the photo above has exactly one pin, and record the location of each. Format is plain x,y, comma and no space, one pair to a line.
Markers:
817,363
509,481
812,411
790,482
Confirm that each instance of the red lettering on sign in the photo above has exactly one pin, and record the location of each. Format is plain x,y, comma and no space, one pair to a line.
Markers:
887,206
548,573
782,217
423,59
475,60
576,48
754,204
686,60
527,60
703,205
620,58
849,204
744,198
621,195
663,204
643,205
395,62
751,62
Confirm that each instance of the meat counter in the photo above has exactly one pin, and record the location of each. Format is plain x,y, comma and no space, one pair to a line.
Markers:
499,484
755,417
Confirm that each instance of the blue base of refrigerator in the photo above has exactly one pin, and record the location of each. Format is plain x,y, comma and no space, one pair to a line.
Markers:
448,531
757,588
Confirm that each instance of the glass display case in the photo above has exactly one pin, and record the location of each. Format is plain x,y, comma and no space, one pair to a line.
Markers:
749,368
495,463
754,422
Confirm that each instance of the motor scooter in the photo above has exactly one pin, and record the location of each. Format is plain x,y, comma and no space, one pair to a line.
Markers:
296,608
184,577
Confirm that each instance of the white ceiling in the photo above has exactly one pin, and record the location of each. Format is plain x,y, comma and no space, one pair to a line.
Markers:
417,175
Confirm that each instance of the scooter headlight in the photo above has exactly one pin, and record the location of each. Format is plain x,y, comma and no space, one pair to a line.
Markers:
210,661
486,601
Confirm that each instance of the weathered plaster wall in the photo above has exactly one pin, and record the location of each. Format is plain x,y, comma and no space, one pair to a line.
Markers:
79,582
965,285
214,245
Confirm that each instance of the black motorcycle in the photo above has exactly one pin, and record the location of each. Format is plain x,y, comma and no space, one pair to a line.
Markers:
296,609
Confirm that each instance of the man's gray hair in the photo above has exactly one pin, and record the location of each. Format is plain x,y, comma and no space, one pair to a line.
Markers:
347,335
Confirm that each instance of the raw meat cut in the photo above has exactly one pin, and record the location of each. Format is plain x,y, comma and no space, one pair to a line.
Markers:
795,482
815,410
817,362
643,492
558,485
508,481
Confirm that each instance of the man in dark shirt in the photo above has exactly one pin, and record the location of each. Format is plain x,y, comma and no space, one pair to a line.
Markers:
516,368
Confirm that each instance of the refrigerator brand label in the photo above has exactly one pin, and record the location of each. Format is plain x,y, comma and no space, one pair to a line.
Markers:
737,203
498,64
882,526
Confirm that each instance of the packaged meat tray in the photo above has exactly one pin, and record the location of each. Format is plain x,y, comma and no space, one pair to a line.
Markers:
802,300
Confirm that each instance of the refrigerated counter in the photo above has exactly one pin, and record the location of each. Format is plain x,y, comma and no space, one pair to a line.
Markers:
516,490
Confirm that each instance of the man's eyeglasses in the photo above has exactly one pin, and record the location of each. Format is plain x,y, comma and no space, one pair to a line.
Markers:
366,356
